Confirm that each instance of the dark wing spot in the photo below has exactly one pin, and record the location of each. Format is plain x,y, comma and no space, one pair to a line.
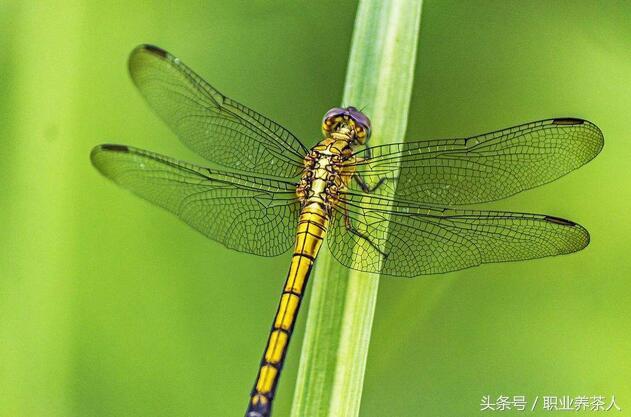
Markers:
155,50
558,220
115,148
568,121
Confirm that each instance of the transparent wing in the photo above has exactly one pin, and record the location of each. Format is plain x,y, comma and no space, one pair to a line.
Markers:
480,168
211,124
424,240
249,214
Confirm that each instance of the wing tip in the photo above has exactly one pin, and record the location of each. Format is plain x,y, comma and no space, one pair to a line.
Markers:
581,242
598,141
106,147
142,52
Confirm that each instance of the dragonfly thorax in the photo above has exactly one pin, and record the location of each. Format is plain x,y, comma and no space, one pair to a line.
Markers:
325,173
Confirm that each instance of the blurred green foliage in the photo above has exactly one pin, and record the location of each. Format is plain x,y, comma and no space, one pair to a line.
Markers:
112,307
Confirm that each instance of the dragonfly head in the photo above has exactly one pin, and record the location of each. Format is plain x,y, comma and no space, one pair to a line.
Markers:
349,117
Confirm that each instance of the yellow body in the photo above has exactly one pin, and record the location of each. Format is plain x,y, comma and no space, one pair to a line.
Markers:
324,176
311,230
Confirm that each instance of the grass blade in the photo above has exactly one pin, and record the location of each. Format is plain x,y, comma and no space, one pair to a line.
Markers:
379,80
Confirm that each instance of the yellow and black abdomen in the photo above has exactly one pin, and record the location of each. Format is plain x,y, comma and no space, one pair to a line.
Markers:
311,231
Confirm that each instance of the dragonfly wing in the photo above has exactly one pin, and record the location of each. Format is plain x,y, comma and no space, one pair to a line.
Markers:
404,239
480,168
211,124
246,213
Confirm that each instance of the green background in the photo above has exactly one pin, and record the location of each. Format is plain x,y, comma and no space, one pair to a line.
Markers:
112,307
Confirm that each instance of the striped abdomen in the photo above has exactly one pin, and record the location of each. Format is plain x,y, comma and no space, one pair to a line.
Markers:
311,230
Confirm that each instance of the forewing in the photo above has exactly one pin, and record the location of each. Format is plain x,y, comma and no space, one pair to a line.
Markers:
246,213
480,168
211,124
407,240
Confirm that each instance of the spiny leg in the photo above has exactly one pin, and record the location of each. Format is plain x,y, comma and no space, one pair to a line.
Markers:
364,185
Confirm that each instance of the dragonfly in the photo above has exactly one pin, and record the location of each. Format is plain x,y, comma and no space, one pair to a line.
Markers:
390,209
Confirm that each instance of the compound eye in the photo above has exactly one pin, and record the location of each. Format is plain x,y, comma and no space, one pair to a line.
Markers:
362,124
359,118
333,114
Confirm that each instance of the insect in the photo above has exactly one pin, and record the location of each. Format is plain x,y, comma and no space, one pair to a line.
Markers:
382,209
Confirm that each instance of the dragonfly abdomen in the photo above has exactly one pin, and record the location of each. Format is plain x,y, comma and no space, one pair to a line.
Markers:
312,228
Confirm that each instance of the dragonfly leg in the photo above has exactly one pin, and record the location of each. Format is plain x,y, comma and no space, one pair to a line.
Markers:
349,226
365,186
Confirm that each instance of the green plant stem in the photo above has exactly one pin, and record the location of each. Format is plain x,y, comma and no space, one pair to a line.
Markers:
335,348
